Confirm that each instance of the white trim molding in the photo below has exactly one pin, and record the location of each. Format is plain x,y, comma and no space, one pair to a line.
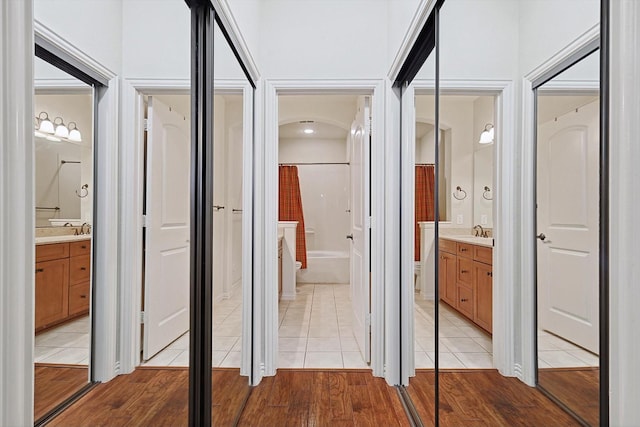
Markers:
17,216
266,177
223,11
419,19
624,174
527,207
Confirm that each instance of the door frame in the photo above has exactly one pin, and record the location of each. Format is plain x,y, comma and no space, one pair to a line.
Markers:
527,304
267,161
504,172
132,170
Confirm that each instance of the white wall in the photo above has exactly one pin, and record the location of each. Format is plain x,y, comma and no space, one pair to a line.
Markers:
93,26
547,26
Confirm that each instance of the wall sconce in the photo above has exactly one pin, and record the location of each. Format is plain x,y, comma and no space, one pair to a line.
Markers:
460,194
56,131
486,137
487,193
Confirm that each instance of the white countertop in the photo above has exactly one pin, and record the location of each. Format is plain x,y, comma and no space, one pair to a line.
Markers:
61,239
474,240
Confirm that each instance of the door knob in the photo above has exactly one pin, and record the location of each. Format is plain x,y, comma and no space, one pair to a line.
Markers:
350,236
541,236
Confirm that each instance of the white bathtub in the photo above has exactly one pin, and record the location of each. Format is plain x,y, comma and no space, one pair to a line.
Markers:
325,267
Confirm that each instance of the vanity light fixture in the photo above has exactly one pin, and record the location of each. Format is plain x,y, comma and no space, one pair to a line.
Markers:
309,131
74,133
45,124
56,131
486,137
61,130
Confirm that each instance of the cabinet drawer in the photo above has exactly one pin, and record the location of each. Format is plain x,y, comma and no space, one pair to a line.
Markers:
79,297
464,271
447,245
79,269
53,251
483,254
465,301
465,250
82,247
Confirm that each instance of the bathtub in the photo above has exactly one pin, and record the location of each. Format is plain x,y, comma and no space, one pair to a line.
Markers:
325,267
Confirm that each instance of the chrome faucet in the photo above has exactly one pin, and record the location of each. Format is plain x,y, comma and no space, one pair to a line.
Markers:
479,231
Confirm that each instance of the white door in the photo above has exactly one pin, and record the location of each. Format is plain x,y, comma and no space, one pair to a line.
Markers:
360,280
568,199
166,291
221,210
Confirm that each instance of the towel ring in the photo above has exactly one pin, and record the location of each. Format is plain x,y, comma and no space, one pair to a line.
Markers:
84,191
487,190
459,190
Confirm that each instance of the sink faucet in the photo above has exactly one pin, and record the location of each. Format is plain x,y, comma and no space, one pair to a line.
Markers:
479,231
85,228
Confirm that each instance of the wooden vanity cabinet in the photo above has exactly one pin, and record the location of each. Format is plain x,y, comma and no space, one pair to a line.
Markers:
447,281
466,280
63,277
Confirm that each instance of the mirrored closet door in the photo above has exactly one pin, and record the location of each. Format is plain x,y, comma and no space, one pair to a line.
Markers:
64,194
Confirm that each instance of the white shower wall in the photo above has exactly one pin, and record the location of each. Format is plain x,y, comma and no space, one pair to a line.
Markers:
324,189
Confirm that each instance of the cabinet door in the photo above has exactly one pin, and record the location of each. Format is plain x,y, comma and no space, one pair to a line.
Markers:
52,291
447,279
465,301
484,295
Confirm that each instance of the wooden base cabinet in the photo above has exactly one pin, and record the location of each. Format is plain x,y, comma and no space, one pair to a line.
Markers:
63,277
465,280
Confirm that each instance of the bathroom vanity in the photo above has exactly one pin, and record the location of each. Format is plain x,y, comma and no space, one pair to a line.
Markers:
63,277
465,279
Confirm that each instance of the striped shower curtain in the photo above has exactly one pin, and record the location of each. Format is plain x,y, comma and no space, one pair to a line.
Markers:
425,200
290,208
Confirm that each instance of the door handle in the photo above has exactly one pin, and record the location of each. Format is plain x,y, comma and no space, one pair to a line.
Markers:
218,208
541,236
350,236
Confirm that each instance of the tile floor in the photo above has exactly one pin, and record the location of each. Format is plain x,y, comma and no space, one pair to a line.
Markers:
66,344
315,329
227,330
315,332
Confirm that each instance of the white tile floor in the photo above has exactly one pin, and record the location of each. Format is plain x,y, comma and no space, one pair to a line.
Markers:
227,330
66,344
315,329
315,332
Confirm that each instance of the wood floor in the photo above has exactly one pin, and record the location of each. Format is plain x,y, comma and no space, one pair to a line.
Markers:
158,397
155,397
323,398
484,398
53,384
578,388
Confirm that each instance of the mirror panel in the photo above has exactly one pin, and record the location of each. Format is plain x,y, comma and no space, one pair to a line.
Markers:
568,140
63,138
232,135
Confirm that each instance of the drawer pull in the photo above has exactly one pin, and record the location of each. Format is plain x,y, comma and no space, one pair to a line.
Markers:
463,249
83,247
464,300
83,296
83,268
490,274
464,271
39,270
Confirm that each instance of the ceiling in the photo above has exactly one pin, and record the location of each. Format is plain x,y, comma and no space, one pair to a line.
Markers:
321,131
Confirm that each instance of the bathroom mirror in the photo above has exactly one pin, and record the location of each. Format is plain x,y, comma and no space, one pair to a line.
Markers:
63,139
567,197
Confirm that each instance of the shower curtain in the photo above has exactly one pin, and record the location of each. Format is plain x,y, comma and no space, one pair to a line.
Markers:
425,200
290,208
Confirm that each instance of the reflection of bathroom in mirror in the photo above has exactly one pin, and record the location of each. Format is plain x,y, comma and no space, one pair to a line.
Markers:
465,227
568,238
63,141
